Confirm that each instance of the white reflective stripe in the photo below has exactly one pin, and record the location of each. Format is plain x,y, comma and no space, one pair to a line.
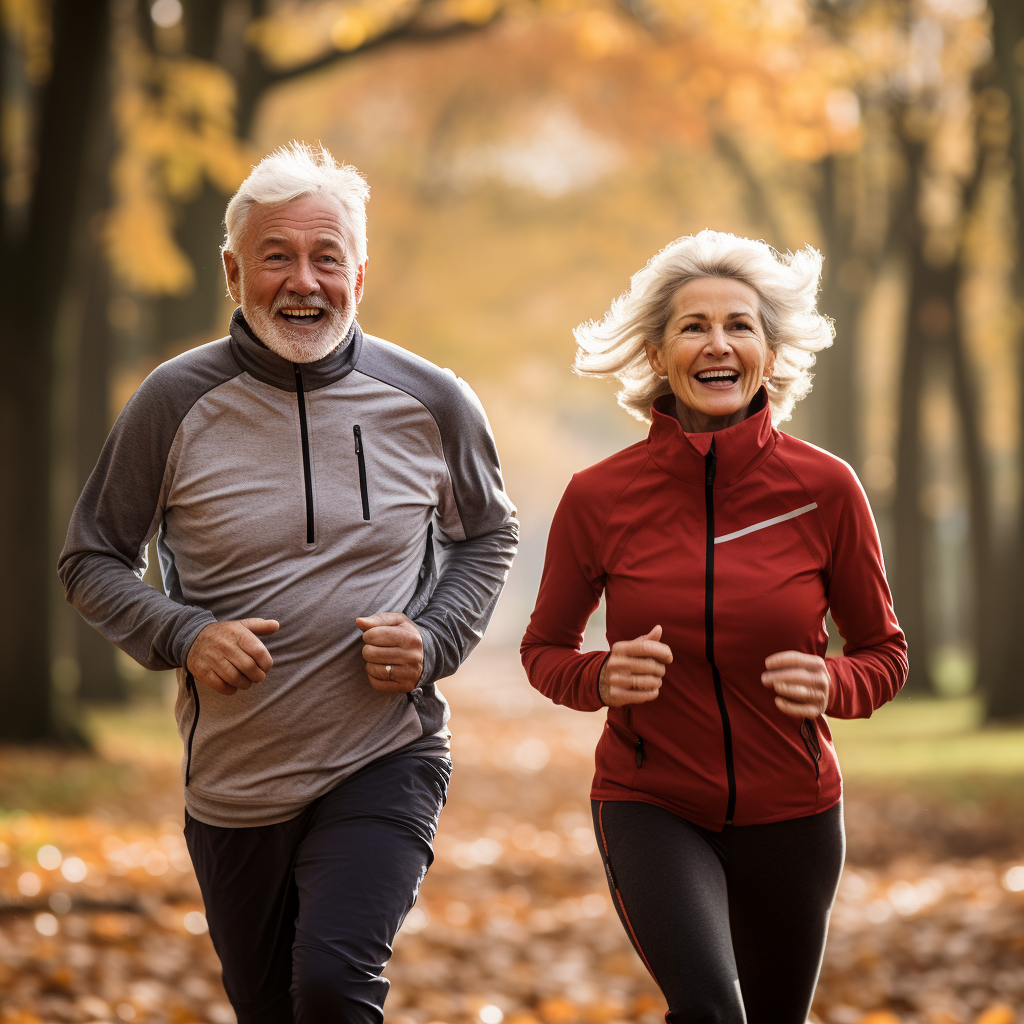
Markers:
768,522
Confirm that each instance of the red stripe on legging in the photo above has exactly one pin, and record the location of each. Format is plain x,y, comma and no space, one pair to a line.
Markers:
618,896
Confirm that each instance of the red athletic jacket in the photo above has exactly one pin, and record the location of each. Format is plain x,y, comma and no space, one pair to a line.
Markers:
736,542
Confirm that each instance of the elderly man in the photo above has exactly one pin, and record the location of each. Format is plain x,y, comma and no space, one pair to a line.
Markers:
298,475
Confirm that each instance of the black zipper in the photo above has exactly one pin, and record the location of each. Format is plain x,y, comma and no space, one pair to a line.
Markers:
710,467
809,734
363,493
638,748
190,686
307,471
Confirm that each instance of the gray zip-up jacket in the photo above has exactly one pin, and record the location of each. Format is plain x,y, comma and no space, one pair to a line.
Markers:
309,493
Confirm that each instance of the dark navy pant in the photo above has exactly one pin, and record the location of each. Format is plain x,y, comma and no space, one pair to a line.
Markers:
730,924
303,913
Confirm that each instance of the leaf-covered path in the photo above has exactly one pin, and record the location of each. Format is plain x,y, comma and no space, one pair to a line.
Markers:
100,916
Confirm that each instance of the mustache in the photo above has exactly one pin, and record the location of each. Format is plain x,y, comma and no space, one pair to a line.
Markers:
307,302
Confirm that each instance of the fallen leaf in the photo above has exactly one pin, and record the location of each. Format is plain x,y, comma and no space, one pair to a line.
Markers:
1000,1013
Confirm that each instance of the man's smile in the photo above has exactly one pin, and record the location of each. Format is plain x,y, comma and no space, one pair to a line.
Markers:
301,314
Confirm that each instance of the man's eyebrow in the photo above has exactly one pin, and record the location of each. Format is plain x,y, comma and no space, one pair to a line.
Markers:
273,240
326,242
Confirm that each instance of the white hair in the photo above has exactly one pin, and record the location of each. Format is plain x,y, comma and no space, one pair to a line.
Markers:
786,285
293,172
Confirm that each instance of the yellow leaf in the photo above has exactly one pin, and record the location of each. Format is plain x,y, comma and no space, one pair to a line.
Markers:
880,1017
941,1017
557,1011
998,1013
646,1004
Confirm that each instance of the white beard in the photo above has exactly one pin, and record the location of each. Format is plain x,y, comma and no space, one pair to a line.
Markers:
303,344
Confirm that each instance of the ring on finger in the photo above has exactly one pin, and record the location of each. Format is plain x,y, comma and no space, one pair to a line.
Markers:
387,668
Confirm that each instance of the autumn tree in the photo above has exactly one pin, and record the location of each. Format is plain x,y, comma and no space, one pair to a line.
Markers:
51,88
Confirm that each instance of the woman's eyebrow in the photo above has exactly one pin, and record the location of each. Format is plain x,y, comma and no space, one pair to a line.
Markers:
705,316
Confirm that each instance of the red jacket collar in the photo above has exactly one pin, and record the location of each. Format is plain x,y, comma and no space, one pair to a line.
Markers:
739,449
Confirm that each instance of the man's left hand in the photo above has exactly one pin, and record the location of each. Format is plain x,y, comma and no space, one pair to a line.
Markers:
801,683
392,650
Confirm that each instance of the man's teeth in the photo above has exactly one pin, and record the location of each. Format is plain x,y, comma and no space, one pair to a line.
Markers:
302,311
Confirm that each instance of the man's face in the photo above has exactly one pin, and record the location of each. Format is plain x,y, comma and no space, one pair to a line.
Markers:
296,278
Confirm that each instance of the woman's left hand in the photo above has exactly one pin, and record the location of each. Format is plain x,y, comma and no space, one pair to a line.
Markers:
801,683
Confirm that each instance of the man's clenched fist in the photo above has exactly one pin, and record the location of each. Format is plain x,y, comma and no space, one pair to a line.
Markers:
392,650
229,656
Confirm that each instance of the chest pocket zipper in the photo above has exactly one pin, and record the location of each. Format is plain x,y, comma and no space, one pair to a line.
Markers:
363,490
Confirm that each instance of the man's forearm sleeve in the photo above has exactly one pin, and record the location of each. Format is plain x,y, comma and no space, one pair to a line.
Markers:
149,627
460,607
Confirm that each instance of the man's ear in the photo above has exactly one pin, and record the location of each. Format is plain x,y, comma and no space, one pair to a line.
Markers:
360,281
233,275
656,359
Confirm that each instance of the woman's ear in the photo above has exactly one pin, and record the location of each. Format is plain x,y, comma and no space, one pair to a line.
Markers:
656,359
769,363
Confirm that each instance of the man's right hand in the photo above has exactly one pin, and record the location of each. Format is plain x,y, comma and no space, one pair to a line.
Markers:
633,671
229,656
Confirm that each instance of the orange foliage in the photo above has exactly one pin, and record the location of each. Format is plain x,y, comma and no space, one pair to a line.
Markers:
176,128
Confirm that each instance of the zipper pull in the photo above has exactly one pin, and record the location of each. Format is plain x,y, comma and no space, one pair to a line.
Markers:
710,465
640,755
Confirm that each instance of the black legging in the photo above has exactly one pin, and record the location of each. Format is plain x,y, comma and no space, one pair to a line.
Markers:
730,924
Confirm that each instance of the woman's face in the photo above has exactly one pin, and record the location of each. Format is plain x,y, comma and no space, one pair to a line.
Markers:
713,352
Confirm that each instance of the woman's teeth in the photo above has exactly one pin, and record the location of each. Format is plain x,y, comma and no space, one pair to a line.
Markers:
718,376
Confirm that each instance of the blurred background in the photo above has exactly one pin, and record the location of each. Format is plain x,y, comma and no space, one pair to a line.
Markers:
525,158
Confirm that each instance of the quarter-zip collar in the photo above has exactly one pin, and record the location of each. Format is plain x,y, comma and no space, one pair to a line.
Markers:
258,361
739,449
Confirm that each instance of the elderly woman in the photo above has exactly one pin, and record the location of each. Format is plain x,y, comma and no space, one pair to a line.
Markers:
719,544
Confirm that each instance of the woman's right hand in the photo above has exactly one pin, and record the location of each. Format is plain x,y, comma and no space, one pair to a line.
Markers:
633,671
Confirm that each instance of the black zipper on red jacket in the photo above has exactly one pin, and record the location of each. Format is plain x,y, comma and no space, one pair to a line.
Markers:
307,471
710,466
638,748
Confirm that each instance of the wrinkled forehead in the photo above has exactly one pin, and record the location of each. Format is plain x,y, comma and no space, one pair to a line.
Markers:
721,296
307,222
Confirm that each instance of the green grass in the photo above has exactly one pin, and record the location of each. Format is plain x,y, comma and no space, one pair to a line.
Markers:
917,738
143,731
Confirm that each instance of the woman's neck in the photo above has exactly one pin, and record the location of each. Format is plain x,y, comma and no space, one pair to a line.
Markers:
694,422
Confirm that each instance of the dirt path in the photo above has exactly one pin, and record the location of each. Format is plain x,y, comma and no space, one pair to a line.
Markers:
513,923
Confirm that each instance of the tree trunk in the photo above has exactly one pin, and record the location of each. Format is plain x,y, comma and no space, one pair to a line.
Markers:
99,679
39,259
909,584
1006,684
836,394
911,528
986,594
